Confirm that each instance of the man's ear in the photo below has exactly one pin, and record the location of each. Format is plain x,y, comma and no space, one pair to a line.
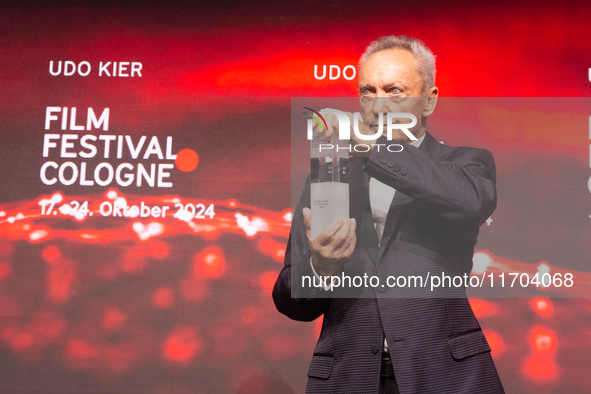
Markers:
431,101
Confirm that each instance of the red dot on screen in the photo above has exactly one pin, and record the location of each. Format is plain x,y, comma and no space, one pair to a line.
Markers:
187,160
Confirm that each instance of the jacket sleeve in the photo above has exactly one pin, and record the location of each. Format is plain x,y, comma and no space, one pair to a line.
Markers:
461,188
303,303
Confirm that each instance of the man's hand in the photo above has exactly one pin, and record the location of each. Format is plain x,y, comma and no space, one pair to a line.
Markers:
332,248
333,127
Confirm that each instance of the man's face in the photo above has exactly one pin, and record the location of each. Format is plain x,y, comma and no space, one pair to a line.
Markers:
386,81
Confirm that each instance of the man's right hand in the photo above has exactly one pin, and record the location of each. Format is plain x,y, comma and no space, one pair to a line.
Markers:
332,248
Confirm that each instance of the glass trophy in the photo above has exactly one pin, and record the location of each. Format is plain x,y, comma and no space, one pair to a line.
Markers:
329,181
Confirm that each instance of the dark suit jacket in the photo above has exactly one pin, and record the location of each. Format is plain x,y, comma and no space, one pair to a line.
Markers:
435,341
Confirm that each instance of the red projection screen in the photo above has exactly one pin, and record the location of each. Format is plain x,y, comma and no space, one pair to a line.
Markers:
146,183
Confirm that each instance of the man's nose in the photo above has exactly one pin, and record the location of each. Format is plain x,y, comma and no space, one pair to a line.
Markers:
379,104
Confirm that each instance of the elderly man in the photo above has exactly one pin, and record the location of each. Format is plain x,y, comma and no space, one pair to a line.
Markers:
414,212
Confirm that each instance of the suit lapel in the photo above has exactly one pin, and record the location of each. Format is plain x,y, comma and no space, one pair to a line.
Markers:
398,208
401,202
360,207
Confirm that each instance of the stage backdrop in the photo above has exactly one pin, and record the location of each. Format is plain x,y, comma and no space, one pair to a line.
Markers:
145,198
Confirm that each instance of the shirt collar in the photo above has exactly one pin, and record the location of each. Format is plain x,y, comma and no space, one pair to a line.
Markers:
418,142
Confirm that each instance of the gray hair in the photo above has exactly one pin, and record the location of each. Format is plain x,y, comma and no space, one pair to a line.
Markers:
423,55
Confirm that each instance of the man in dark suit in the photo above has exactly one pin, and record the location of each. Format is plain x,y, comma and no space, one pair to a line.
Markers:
412,213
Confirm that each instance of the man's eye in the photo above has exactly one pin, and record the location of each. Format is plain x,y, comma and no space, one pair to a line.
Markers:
395,91
365,92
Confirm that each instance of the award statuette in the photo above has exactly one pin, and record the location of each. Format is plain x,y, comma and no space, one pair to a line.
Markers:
329,181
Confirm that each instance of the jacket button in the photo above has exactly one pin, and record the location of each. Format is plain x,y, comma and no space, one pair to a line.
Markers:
403,171
375,349
390,164
383,160
381,289
397,167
